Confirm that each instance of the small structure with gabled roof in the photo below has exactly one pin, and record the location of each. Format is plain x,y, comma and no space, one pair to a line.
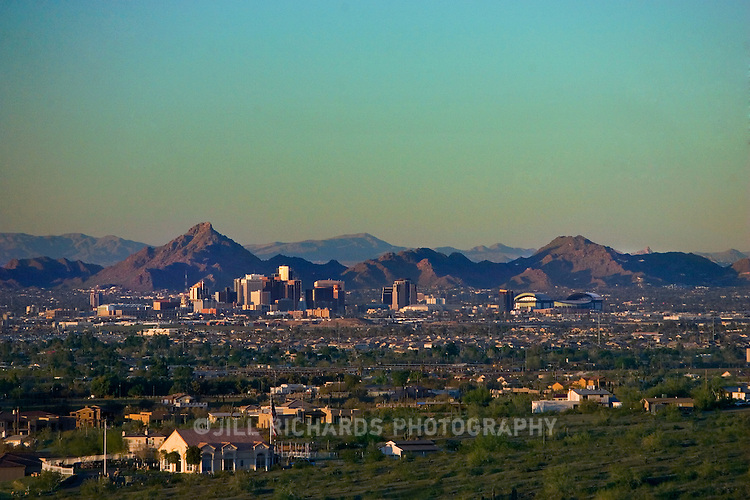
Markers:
418,447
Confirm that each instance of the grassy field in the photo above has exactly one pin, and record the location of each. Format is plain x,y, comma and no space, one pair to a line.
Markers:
606,454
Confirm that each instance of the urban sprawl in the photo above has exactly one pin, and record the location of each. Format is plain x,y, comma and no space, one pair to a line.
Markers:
268,374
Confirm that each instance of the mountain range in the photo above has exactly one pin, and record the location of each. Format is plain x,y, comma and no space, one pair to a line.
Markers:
201,254
46,272
567,261
347,249
725,258
73,246
350,249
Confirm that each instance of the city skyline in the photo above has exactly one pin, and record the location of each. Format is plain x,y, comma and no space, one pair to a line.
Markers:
425,124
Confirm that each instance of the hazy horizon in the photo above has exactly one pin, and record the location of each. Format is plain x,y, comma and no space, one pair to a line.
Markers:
422,123
397,244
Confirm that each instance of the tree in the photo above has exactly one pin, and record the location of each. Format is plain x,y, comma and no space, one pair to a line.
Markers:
400,377
193,455
480,395
350,381
102,385
172,457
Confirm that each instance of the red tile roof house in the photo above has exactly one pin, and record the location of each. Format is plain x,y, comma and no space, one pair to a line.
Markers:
218,451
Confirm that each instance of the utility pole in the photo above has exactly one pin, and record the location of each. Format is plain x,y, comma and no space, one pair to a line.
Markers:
105,447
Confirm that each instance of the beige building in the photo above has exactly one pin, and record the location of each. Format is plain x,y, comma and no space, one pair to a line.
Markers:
653,405
89,416
145,441
14,466
148,417
241,450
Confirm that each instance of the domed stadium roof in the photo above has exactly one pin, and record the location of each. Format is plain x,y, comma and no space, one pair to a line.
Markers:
541,297
585,296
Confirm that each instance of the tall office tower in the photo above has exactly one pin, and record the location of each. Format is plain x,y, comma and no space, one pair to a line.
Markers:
404,294
293,291
387,297
280,289
240,297
199,291
328,294
506,300
226,296
285,273
95,299
243,287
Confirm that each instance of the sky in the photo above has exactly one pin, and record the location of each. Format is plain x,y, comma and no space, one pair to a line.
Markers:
424,123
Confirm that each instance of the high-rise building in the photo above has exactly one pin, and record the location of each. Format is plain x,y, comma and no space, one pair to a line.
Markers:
199,291
95,299
404,294
285,273
243,287
226,296
327,294
292,291
387,296
506,301
255,291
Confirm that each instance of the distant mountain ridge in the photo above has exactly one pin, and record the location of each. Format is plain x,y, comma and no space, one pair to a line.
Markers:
347,249
45,272
726,258
103,251
204,254
567,261
495,253
427,268
351,249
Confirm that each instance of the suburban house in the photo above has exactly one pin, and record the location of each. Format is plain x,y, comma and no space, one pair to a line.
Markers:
576,397
217,416
545,405
601,396
182,400
14,466
145,441
300,411
147,418
19,441
738,393
89,416
586,383
401,449
285,414
653,405
496,393
288,389
242,451
28,422
336,415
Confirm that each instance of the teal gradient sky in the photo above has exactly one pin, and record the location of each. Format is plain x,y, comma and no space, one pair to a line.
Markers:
425,123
